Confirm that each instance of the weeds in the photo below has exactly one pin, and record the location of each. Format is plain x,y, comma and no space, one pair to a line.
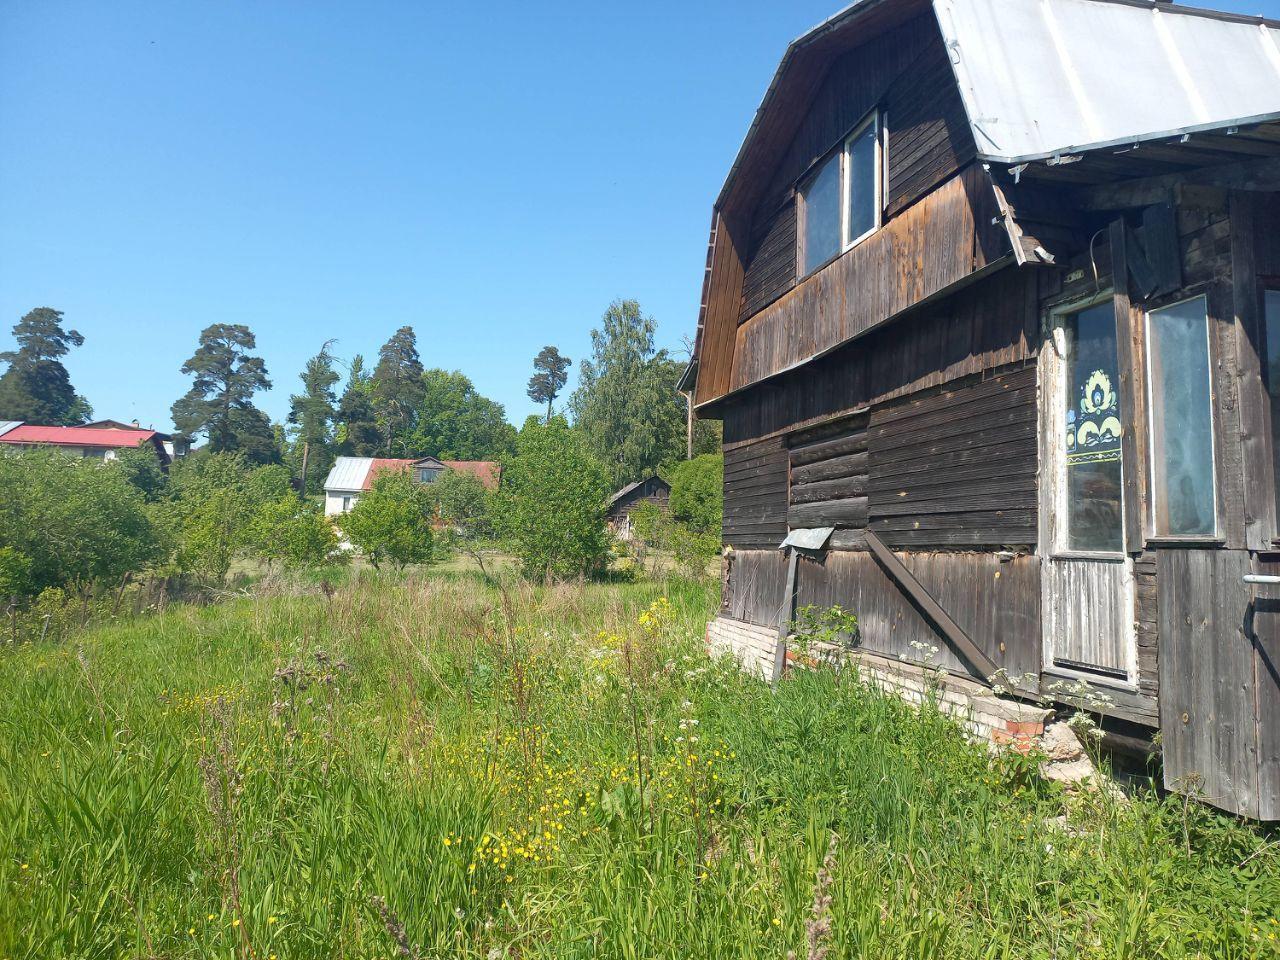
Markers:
452,768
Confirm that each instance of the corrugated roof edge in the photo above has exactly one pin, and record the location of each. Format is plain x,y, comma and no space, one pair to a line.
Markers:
1133,141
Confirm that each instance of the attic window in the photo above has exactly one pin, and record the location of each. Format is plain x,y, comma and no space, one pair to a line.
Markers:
840,201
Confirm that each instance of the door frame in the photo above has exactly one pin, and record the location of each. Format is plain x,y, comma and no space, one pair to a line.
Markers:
1052,502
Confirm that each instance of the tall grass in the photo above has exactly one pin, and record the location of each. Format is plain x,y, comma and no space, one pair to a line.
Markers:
435,768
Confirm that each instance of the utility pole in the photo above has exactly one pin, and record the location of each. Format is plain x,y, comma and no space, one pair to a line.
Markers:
306,450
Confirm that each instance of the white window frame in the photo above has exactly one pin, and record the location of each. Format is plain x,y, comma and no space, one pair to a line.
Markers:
1151,427
1057,538
872,120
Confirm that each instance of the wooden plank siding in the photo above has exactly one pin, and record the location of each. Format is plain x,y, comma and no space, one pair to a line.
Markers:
957,467
1217,680
996,602
755,495
927,139
932,245
983,327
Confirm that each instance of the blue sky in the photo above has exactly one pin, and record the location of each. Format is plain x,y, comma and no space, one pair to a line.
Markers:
492,174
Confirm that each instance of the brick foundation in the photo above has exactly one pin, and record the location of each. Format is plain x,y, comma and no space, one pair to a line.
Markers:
982,714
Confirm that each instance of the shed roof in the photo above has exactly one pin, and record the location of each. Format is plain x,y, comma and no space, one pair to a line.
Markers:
348,473
489,472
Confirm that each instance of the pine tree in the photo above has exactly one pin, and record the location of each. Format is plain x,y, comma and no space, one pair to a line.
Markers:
312,414
358,434
220,401
397,386
550,377
37,388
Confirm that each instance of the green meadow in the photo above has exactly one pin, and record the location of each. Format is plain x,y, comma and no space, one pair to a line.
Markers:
432,766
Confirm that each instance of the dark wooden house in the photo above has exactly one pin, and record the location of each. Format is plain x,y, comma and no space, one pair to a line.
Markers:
991,315
652,489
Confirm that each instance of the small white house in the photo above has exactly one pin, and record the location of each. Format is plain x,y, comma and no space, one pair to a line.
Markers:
352,476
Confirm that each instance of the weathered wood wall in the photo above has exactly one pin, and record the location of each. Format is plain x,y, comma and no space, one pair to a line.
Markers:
755,494
938,242
829,475
957,467
985,326
926,138
996,602
1219,687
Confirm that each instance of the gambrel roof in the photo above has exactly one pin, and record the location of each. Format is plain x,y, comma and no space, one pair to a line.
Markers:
1135,88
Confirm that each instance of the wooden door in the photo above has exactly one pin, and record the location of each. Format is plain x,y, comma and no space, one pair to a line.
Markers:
1087,583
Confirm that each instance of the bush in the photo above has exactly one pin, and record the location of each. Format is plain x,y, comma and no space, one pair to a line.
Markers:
212,502
294,533
74,522
697,492
551,508
693,550
392,522
461,502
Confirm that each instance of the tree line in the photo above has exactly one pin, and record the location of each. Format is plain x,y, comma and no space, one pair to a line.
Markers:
625,408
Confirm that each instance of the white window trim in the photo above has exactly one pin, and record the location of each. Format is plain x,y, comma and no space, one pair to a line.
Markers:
872,120
1156,534
1057,397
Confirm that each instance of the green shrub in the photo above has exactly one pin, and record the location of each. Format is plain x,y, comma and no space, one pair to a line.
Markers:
551,508
294,533
391,523
209,509
697,492
75,521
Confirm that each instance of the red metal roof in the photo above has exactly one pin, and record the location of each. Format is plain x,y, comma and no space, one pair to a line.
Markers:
380,464
489,471
76,436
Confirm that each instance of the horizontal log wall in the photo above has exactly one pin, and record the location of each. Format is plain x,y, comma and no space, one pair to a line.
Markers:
755,494
829,476
957,467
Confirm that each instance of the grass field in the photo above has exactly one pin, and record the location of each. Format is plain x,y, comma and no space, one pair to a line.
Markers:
432,768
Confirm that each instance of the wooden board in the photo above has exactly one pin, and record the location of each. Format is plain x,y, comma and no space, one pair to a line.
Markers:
991,324
934,244
1219,692
957,467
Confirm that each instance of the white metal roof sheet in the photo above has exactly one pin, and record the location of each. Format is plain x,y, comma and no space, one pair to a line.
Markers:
348,473
7,425
1046,77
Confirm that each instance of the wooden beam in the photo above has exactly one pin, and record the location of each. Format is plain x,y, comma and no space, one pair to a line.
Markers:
1250,175
785,616
1129,358
979,664
1255,405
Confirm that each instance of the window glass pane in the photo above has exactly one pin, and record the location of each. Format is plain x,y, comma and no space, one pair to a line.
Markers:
1181,420
862,182
822,215
1271,309
1092,432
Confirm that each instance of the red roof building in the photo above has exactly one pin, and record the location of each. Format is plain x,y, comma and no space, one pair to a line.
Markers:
101,443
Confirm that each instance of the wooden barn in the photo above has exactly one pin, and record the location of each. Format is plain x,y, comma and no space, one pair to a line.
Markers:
991,315
652,489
